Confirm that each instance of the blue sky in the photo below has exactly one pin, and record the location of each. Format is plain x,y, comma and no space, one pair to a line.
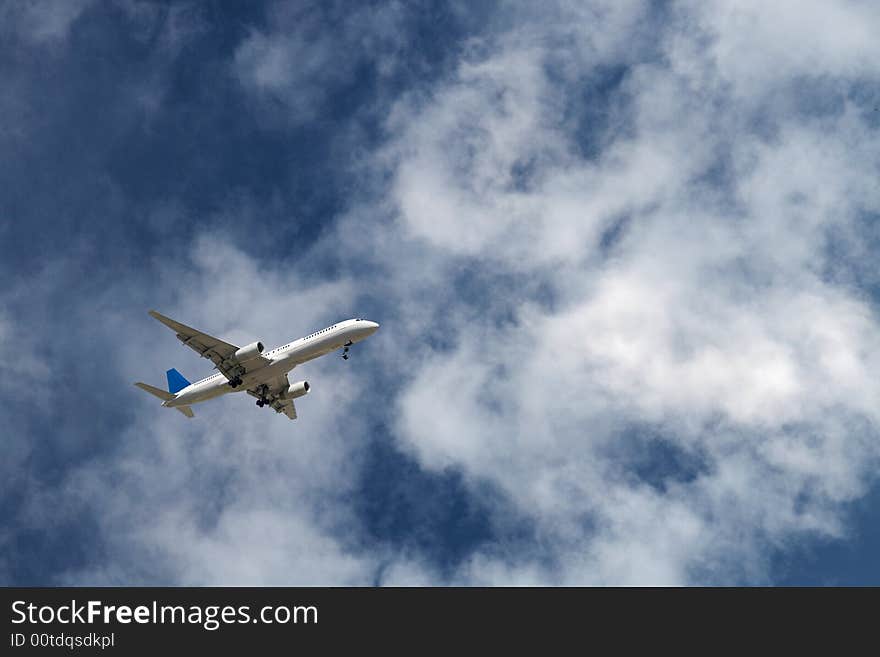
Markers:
622,254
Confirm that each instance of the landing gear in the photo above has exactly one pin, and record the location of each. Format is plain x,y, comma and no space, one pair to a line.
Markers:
263,390
345,349
235,382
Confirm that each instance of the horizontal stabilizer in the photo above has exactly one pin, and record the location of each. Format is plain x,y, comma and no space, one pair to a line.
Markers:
186,410
156,392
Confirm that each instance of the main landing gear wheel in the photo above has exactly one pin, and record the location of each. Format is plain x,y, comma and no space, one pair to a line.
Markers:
234,383
261,403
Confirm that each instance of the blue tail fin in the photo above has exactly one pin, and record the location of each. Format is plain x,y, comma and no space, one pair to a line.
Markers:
176,381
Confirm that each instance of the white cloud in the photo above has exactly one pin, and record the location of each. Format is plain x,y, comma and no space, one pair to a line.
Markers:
757,46
711,318
707,326
42,21
305,53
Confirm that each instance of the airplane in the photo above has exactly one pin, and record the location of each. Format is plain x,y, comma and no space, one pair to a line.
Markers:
262,374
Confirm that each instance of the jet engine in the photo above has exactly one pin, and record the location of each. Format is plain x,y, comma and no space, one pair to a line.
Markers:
249,352
297,389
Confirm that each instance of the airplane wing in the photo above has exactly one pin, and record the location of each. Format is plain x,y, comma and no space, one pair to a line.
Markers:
272,391
221,353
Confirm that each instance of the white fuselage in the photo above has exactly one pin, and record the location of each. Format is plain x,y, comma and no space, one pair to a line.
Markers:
280,361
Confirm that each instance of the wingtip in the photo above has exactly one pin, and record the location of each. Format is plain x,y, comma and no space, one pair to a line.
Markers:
159,317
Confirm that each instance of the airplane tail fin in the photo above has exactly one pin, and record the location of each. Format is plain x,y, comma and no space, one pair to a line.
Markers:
176,381
156,392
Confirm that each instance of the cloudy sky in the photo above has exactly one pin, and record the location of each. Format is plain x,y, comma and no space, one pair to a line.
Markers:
623,254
